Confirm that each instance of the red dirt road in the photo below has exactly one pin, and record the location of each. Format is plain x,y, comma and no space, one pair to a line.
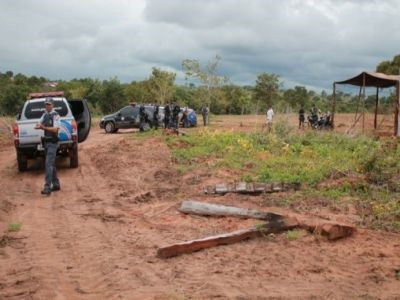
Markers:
97,238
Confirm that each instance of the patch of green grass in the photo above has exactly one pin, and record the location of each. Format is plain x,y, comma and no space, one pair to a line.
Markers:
14,227
309,158
335,193
380,208
182,169
294,234
280,157
146,134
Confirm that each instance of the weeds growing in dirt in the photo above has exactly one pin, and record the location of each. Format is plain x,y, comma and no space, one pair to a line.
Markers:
310,158
146,134
279,157
294,234
14,227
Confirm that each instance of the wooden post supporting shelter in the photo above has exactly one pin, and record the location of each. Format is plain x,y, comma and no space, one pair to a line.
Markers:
363,104
377,80
334,105
376,108
396,116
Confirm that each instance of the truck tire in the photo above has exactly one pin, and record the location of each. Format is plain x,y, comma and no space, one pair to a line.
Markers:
73,157
109,127
22,161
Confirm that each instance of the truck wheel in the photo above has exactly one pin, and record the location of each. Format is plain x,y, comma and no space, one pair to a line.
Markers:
110,127
22,161
73,157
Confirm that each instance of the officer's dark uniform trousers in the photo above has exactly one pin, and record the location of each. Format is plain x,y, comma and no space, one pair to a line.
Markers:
51,146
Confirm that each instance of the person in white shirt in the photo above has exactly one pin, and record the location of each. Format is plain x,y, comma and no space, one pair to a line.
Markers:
270,116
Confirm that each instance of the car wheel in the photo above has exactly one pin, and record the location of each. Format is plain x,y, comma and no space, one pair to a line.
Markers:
110,127
22,161
73,157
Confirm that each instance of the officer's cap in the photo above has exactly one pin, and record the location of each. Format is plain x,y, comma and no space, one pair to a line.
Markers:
48,101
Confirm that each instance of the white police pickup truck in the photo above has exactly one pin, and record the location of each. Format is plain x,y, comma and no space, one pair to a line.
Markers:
75,122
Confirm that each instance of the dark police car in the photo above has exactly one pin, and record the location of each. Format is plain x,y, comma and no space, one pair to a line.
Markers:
128,117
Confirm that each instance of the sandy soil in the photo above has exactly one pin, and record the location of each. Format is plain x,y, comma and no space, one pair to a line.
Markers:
97,238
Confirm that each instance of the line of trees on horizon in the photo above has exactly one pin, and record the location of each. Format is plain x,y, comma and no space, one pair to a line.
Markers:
203,86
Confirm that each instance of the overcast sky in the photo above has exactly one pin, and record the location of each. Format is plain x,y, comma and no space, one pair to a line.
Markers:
305,42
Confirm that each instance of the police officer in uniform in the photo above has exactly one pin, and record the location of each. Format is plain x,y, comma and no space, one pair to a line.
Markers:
50,123
155,117
167,115
204,113
144,118
175,115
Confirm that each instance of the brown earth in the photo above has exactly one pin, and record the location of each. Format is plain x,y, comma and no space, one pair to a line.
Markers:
97,238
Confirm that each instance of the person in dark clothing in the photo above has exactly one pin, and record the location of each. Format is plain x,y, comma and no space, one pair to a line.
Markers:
167,116
155,117
185,117
204,113
175,115
50,123
144,118
314,116
301,117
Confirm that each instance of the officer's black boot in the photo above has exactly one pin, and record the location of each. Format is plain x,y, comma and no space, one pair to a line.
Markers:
45,192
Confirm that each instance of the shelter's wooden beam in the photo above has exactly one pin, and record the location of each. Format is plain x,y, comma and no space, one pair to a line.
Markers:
363,104
358,104
376,108
396,116
334,105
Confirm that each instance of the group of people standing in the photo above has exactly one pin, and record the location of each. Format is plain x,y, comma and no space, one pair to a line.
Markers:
316,119
172,117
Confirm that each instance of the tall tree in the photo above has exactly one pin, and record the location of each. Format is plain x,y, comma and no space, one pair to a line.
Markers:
390,67
112,97
207,75
162,85
239,99
296,97
267,87
12,98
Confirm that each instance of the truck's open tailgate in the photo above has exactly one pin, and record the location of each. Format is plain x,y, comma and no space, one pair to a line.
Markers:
27,133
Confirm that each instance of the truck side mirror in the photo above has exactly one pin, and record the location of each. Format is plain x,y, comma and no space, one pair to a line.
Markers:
18,116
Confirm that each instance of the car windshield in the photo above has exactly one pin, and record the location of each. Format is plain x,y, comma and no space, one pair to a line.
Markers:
35,110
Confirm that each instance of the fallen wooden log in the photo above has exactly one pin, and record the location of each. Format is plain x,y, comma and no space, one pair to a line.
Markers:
208,209
251,188
332,230
226,238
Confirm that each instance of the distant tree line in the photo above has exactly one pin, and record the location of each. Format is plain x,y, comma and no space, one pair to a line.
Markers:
203,86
